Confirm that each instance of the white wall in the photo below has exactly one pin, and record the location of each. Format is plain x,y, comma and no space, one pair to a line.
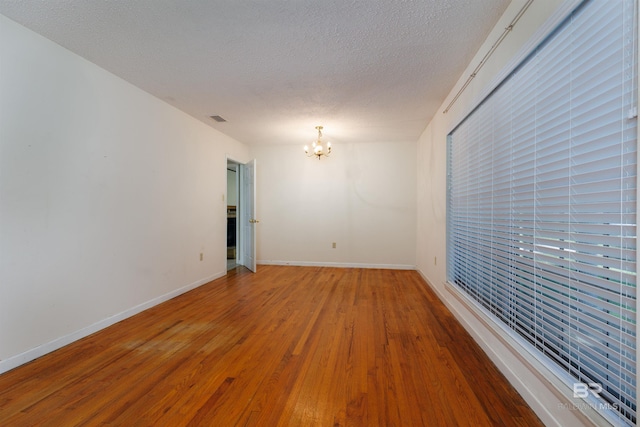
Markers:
107,197
362,198
431,204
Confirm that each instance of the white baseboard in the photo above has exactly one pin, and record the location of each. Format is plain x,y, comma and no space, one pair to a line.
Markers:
41,350
338,264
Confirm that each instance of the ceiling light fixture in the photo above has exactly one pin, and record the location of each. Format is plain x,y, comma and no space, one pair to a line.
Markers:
319,148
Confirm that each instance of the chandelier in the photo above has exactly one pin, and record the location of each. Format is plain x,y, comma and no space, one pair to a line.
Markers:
318,148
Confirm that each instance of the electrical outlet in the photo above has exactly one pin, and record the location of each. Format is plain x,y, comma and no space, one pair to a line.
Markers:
333,245
201,256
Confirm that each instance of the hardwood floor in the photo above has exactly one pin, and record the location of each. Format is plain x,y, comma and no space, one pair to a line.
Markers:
288,346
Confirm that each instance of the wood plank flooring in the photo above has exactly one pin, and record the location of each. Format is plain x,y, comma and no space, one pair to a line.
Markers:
288,346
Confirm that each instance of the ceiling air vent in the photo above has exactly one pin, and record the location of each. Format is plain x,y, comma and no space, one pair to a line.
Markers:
218,119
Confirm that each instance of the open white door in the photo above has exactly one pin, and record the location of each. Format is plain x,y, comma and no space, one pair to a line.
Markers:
248,214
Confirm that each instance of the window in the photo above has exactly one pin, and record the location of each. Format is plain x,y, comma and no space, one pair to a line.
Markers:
542,203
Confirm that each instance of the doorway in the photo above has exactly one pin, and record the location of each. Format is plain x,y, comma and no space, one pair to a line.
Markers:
241,212
233,193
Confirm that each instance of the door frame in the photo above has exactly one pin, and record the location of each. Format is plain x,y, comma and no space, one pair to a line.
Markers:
235,165
241,207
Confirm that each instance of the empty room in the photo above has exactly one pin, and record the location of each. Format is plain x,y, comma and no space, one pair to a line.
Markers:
318,213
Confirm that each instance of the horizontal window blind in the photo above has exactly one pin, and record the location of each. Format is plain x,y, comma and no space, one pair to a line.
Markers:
542,203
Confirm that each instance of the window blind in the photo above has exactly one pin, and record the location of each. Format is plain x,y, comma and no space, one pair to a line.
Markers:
542,203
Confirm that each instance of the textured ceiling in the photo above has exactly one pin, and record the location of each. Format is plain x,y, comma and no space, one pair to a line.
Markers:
368,70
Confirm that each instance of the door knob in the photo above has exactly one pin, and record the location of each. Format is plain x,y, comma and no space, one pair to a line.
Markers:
253,221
